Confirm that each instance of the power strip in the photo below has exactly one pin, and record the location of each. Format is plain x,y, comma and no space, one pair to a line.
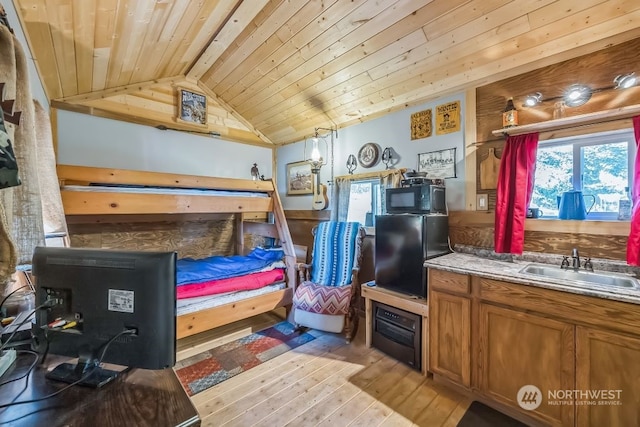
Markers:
6,359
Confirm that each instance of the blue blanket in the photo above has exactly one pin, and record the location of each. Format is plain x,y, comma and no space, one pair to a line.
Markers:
191,270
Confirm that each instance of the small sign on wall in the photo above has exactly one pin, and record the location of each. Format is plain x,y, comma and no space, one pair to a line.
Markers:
192,107
438,164
421,125
448,118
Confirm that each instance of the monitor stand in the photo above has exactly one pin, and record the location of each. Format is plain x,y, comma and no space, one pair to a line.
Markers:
86,372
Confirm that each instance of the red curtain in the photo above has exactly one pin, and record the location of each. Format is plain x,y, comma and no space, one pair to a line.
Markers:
633,244
515,187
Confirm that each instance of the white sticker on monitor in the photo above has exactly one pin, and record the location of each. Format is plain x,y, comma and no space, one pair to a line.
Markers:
121,300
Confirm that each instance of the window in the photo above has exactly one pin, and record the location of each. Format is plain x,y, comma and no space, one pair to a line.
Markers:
598,165
364,202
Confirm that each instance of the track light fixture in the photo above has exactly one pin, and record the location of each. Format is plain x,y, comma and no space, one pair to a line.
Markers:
577,95
625,81
533,99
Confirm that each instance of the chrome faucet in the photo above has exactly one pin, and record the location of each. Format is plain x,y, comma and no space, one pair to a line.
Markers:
576,259
588,265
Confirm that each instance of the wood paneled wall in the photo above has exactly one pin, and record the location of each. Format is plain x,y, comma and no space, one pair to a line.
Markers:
596,239
196,239
596,70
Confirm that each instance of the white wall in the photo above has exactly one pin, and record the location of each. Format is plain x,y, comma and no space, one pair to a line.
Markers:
392,130
93,141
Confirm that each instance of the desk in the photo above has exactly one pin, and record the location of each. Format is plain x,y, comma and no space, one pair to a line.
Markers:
137,398
403,302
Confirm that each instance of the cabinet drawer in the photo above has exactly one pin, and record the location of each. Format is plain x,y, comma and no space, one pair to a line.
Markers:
448,282
580,309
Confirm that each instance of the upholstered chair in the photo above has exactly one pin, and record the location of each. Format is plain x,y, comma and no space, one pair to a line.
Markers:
328,291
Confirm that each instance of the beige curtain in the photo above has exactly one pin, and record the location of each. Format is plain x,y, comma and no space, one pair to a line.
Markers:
341,193
342,189
389,180
55,225
21,205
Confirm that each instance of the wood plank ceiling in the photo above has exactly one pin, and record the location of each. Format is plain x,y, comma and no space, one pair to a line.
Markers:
274,70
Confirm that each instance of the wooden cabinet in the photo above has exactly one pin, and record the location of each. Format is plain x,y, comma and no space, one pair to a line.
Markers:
608,361
518,349
450,336
494,337
403,302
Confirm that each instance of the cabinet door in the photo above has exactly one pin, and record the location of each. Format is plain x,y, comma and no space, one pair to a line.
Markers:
608,362
449,336
518,349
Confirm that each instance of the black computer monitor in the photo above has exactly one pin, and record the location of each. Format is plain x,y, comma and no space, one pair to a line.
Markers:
96,298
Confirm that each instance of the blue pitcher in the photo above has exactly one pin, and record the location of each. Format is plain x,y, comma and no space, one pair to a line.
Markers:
571,205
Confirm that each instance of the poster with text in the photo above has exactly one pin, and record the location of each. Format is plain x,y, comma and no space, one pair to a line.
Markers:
448,118
421,126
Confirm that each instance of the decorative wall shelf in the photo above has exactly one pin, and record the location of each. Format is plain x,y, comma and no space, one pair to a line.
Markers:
572,122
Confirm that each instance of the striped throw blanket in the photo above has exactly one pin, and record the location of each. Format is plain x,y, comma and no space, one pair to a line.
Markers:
334,250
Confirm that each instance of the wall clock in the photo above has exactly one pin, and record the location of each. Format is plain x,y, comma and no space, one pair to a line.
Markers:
369,155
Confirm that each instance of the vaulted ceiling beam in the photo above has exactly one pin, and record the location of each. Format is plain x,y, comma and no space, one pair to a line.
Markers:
120,90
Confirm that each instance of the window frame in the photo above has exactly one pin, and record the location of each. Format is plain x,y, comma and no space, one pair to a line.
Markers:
601,138
376,197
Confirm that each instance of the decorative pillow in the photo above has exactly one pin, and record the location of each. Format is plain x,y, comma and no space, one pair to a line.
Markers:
322,299
334,249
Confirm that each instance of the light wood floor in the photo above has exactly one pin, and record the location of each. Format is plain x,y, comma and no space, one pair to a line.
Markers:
322,383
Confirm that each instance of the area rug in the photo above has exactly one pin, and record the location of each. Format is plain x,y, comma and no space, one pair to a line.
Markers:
204,370
480,415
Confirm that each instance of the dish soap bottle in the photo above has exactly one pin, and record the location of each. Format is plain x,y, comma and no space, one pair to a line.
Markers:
624,206
510,115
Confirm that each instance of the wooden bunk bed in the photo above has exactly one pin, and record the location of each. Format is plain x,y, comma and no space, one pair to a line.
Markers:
102,196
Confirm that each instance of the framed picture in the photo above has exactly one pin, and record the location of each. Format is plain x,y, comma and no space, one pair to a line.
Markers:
192,107
299,178
438,164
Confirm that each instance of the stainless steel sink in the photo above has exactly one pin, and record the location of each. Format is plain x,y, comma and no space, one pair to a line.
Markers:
602,279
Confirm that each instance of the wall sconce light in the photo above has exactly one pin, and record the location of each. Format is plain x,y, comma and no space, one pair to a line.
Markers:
577,95
387,157
533,99
352,163
625,81
314,146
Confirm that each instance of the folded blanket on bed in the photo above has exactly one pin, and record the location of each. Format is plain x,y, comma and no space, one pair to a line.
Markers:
240,283
222,267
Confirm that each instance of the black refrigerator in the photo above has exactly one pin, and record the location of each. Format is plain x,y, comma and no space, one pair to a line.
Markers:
402,243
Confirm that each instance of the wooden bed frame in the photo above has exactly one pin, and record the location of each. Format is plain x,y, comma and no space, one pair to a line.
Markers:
106,206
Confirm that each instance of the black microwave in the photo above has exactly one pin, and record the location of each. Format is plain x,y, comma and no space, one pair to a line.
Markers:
416,199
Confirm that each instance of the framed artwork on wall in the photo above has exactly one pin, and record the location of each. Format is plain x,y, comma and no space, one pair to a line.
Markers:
192,107
299,178
438,164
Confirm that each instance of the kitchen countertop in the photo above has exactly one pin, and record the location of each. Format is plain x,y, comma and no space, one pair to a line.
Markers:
509,270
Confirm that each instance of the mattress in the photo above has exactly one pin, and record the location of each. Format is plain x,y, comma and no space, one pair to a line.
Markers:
162,190
191,305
